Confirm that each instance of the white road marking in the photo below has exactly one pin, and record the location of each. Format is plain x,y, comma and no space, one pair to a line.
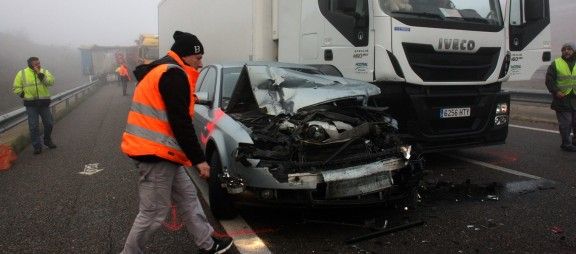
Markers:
533,129
246,243
495,167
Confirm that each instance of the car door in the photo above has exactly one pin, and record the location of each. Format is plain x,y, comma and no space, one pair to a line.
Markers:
203,113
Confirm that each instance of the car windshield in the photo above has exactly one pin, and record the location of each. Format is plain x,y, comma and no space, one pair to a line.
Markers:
459,11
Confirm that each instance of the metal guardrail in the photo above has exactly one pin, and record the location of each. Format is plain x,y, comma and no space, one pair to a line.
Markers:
13,118
530,95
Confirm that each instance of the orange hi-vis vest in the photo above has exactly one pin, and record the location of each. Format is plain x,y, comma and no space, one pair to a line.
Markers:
123,71
148,131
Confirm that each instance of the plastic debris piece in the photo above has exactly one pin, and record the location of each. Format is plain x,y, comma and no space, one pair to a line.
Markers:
173,222
90,169
470,226
492,197
556,230
492,223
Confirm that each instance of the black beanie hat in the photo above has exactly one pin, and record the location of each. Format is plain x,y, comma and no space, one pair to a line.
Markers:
186,44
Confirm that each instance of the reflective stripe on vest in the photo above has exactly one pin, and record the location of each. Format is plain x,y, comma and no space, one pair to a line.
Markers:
149,111
153,136
148,131
566,78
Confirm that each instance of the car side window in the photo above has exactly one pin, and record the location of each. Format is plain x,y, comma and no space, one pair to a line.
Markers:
209,83
200,79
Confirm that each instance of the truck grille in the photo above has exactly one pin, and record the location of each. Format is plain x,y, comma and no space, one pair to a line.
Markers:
434,66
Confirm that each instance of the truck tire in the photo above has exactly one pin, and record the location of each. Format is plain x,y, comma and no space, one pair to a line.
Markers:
221,203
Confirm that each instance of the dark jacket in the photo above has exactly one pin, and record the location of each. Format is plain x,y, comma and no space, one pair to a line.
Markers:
568,103
175,92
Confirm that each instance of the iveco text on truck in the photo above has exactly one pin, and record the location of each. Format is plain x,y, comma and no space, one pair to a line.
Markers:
439,63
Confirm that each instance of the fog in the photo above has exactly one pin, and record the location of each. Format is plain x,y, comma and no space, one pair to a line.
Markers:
53,30
79,22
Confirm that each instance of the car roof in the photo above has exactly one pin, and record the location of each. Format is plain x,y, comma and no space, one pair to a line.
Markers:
268,63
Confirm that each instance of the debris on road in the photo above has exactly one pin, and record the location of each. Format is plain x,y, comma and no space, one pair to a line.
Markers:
90,169
557,230
384,232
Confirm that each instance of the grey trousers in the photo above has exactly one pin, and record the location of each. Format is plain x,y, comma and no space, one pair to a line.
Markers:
160,183
566,125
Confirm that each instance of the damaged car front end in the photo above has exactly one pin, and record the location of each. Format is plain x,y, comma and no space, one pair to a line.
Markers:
291,136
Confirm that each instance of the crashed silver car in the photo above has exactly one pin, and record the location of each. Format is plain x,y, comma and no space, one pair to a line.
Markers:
287,134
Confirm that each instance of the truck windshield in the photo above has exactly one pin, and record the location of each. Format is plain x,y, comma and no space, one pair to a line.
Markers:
438,12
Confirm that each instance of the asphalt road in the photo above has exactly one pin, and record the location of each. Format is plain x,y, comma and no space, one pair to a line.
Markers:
48,207
472,201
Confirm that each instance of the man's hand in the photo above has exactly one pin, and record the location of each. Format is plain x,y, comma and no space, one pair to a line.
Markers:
41,76
559,95
203,169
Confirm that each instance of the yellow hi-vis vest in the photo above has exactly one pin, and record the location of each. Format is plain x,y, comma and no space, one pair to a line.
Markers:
28,84
566,78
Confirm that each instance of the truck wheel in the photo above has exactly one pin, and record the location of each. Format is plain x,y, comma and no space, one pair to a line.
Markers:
221,203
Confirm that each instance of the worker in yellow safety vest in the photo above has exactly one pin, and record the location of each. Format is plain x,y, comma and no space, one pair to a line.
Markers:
31,84
561,82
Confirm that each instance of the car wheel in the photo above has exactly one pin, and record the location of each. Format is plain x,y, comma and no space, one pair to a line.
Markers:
221,203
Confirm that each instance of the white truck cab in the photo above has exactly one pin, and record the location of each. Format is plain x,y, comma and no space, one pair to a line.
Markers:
438,63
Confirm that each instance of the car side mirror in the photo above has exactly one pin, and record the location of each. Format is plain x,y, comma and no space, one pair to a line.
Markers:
202,98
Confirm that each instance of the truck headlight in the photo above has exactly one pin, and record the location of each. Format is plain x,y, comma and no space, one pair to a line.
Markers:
501,114
502,108
406,150
500,120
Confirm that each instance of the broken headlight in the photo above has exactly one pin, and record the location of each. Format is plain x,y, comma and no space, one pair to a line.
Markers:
315,133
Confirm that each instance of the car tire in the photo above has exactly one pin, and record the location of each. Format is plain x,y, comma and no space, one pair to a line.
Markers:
221,203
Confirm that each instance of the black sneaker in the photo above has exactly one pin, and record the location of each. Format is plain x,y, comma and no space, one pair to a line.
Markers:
37,150
50,145
221,245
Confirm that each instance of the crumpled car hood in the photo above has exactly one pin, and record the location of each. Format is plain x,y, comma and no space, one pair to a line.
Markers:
283,91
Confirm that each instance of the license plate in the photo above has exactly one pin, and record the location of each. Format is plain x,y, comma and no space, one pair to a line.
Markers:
358,186
454,112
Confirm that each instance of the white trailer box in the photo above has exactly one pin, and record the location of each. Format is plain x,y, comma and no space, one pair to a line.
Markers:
230,30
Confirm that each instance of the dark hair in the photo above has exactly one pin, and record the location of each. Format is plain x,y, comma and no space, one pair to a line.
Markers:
32,59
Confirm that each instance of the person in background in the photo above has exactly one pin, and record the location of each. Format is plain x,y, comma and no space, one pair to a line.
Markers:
31,84
561,83
124,77
160,137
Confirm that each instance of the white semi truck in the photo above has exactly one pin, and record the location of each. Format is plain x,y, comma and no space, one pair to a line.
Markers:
439,63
